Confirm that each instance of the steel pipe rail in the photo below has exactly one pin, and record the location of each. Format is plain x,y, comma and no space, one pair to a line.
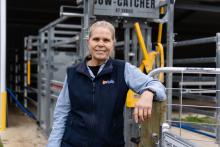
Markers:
64,42
53,23
195,41
189,70
68,26
71,14
195,60
66,32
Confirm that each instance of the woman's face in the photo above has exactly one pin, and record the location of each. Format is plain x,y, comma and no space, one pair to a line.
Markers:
100,44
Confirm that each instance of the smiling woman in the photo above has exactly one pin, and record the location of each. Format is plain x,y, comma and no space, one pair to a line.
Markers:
89,110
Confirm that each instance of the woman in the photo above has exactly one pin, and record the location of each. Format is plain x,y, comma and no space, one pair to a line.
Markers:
89,110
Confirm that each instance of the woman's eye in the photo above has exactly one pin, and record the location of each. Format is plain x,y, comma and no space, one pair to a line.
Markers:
106,40
96,39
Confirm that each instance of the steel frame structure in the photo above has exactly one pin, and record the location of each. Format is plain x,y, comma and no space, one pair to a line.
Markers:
30,76
53,61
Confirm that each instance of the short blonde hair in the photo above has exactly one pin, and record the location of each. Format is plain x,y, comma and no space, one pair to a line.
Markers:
104,24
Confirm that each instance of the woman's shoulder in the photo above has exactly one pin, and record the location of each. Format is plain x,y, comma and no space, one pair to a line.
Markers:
118,61
75,66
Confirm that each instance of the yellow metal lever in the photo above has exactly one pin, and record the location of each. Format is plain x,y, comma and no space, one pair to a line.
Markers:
146,65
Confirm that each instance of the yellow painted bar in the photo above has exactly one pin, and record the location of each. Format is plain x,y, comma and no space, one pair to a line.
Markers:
29,72
141,40
3,111
160,31
160,50
162,10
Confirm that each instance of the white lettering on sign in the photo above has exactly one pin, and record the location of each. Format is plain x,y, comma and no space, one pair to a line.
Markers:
128,3
130,8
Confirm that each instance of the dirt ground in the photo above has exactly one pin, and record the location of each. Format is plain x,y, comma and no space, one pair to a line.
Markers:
22,131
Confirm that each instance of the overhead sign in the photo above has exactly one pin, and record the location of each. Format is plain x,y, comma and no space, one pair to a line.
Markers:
127,8
171,140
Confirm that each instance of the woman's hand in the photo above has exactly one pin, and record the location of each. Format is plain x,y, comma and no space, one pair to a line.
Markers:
143,107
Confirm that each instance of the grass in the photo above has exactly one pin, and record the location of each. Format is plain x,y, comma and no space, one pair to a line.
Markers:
200,119
1,145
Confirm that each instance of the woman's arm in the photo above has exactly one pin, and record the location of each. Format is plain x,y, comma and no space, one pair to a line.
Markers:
147,87
60,116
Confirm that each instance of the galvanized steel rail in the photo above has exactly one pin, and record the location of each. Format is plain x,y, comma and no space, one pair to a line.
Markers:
192,70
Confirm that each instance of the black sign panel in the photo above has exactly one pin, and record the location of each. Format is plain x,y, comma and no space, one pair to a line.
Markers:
127,8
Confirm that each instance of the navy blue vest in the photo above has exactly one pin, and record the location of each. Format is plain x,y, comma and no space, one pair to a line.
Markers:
96,116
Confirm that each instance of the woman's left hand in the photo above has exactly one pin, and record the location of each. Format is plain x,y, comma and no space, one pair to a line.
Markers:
143,107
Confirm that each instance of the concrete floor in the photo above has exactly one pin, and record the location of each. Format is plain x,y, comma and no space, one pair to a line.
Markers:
22,131
197,139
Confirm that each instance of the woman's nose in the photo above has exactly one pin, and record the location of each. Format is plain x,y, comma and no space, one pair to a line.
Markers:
100,43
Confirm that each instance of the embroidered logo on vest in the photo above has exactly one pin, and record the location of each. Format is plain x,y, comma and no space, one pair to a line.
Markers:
108,82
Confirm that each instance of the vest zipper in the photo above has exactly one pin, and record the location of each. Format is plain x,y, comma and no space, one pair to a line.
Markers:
93,109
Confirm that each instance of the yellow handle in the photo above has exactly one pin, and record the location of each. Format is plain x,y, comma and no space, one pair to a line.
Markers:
29,72
3,111
146,65
141,40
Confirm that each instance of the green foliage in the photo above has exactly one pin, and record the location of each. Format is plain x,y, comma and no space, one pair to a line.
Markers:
197,119
1,145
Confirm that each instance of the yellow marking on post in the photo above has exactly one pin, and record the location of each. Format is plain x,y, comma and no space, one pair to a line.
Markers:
3,111
29,72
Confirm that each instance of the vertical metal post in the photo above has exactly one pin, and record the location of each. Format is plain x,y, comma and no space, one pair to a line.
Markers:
39,77
86,21
134,48
149,38
218,86
43,85
3,94
127,43
169,57
49,77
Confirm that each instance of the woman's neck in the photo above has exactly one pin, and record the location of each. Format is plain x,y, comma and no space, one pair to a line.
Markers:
95,62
